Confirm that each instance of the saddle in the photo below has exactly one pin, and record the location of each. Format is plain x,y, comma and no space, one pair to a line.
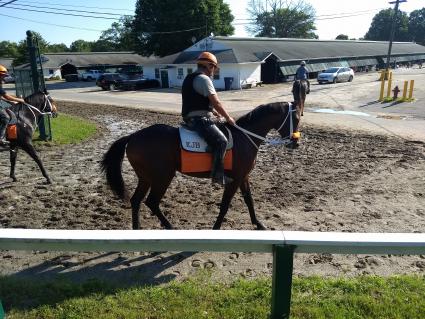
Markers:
195,154
11,129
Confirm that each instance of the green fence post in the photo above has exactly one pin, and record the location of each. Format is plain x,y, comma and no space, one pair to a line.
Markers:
283,258
1,311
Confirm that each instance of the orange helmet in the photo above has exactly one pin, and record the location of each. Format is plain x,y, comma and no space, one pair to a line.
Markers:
3,70
206,58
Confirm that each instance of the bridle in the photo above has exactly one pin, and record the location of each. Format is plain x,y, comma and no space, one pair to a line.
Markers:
34,109
286,139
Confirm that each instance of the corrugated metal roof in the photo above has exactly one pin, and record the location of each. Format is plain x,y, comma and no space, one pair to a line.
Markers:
87,59
6,62
250,49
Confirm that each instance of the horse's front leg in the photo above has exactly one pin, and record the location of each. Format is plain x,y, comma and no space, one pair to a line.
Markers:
229,192
29,148
246,193
13,154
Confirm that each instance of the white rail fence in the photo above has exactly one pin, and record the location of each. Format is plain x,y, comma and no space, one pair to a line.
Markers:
282,244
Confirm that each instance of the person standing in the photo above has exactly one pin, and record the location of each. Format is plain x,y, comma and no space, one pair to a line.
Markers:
302,75
4,117
201,109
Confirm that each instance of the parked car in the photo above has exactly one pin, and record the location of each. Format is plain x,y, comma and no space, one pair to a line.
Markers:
91,75
336,74
108,81
135,82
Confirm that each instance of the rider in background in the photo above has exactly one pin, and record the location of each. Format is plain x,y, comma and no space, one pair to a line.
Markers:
201,110
302,74
4,117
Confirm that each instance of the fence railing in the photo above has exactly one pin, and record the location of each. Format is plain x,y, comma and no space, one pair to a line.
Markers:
282,244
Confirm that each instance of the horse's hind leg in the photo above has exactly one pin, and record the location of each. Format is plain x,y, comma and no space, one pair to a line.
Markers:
31,152
158,189
139,194
246,193
13,155
229,192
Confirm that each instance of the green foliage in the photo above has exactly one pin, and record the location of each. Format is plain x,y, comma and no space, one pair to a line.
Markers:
159,25
342,37
380,28
314,297
118,37
417,26
81,46
282,19
8,49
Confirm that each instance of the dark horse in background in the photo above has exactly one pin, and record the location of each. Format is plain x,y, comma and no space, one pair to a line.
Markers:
154,154
28,116
299,91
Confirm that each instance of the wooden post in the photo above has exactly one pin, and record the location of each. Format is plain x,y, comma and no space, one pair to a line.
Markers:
412,83
283,258
405,89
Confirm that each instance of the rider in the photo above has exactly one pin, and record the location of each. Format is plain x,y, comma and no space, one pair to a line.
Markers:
302,74
4,117
200,108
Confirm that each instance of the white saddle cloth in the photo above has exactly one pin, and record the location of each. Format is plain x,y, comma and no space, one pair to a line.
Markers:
191,141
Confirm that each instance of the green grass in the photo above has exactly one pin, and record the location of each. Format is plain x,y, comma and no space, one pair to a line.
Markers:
398,100
68,129
313,297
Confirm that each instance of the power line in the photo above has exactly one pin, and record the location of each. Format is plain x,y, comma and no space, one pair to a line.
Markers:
4,4
53,8
60,13
73,6
57,25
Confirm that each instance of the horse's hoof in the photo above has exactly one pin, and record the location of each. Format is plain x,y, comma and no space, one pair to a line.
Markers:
47,182
260,226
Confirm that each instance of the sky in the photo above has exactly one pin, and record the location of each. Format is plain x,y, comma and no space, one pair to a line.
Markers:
334,17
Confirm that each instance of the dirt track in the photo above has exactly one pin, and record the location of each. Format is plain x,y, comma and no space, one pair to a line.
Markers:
336,181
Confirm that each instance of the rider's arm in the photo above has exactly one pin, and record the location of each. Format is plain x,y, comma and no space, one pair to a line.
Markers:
11,98
215,102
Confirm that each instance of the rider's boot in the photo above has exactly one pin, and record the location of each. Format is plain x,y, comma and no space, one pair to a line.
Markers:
217,172
3,141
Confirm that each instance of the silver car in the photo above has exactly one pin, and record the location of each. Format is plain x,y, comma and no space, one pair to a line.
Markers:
336,74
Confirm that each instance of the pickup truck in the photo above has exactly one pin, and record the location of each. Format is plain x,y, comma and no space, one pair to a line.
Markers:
91,75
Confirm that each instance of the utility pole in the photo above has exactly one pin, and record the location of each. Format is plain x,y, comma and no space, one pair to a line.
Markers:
393,24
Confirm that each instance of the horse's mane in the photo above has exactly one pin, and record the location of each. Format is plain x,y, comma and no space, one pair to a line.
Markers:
36,98
259,112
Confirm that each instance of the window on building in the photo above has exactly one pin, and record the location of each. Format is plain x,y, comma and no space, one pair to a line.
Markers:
180,73
189,70
156,73
51,71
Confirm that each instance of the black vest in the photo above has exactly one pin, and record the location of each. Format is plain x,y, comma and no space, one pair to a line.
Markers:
192,100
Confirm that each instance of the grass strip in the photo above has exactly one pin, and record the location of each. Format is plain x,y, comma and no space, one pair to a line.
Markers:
68,129
312,297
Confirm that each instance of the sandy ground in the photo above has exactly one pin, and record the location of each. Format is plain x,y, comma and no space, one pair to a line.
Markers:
338,180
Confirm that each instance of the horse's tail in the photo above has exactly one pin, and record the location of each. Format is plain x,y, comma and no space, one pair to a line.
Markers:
111,165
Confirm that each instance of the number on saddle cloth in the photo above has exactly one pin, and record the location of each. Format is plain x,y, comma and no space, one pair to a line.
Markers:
195,154
192,142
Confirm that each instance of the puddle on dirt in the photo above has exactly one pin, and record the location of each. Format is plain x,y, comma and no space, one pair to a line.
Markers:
341,112
119,127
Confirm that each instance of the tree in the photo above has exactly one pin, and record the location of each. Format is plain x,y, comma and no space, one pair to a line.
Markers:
8,49
342,37
119,36
380,28
282,19
53,48
163,27
417,26
81,46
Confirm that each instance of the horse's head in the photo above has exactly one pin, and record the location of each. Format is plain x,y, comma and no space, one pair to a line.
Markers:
43,102
288,119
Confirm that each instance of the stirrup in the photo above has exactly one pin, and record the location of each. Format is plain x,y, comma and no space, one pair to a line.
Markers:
222,180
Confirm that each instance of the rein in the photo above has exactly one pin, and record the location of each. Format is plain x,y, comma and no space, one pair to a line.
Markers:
291,125
33,108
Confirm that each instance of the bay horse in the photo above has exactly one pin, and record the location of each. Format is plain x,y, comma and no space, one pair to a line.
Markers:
28,116
154,154
299,91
